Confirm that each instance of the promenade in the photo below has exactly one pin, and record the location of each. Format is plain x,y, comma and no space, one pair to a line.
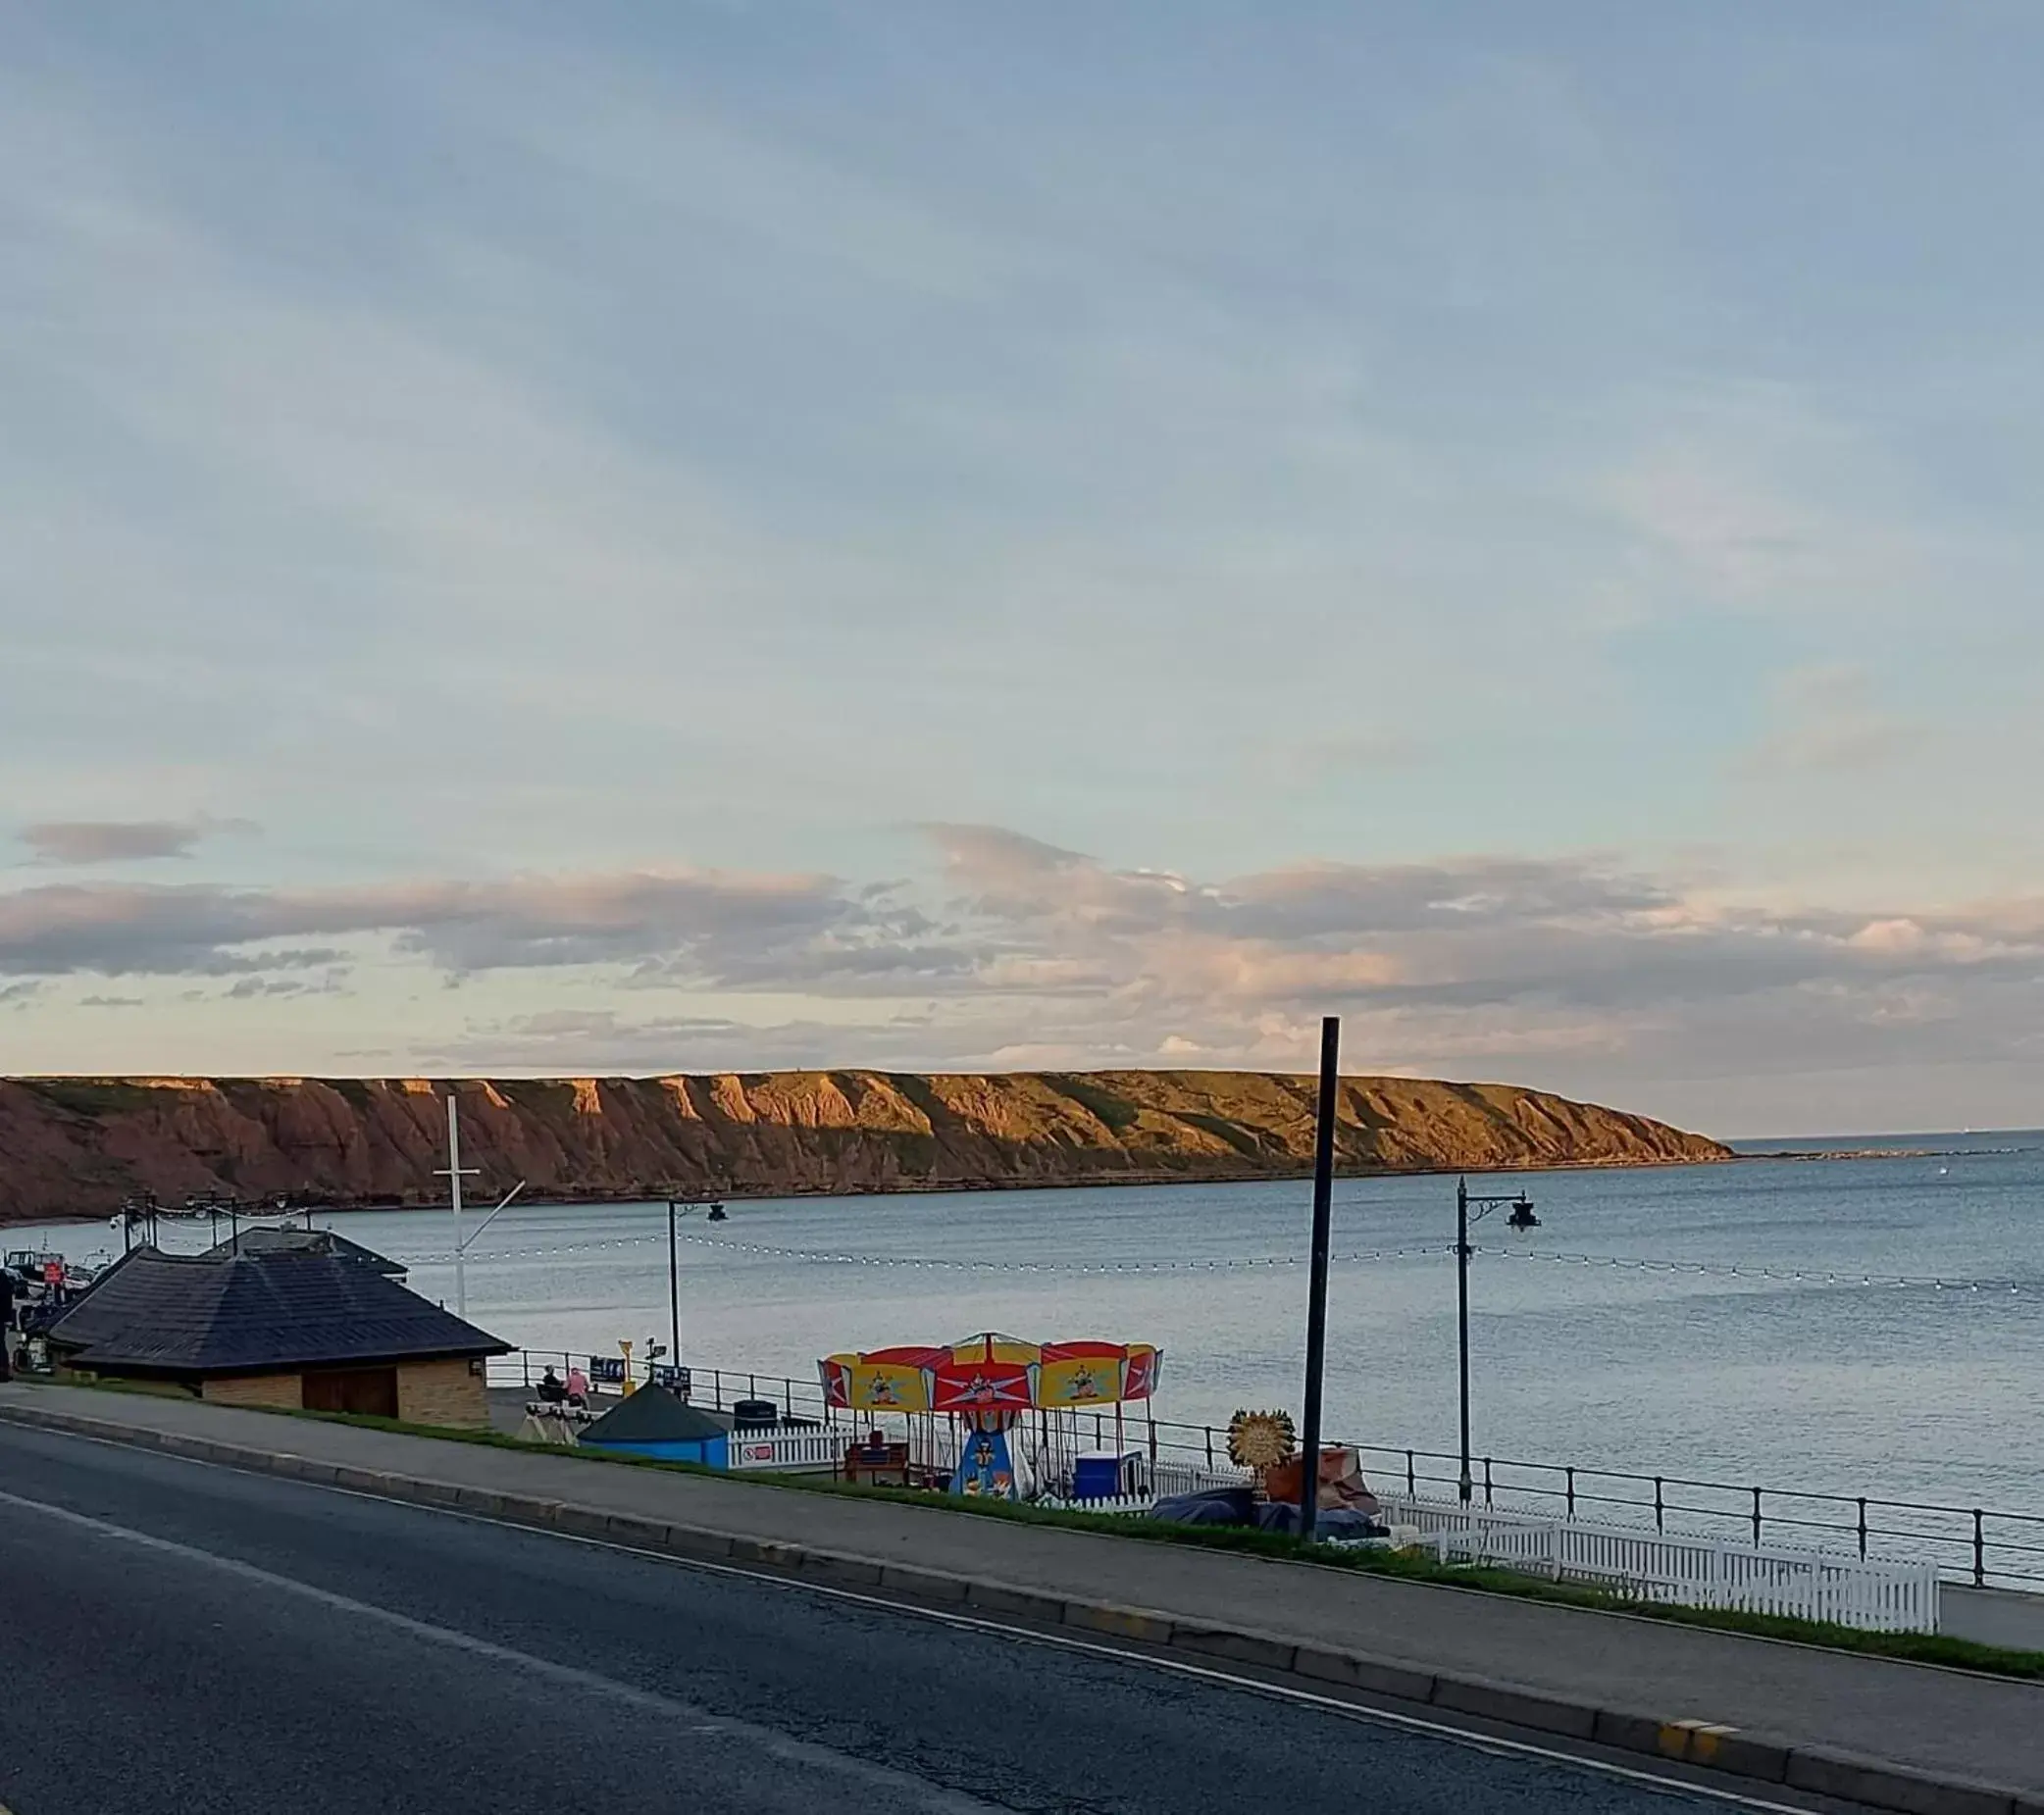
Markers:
1883,1733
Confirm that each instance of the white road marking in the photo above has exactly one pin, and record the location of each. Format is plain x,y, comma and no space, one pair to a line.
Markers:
1333,1705
1348,1710
898,1788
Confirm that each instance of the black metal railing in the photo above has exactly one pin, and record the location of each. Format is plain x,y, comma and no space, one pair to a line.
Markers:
1975,1544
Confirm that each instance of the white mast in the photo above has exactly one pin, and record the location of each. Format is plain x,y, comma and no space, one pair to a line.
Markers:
454,1169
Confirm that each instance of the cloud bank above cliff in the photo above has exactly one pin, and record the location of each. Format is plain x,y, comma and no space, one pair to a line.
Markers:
1008,950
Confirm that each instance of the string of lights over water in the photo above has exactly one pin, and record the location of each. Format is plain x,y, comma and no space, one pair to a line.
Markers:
1236,1262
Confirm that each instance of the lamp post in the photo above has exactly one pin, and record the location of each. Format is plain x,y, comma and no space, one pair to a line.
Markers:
1483,1206
1316,1301
674,1290
677,1208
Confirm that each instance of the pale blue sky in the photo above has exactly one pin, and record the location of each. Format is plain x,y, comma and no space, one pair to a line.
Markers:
577,538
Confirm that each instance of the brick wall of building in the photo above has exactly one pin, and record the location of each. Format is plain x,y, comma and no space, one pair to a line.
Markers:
168,1389
441,1392
271,1391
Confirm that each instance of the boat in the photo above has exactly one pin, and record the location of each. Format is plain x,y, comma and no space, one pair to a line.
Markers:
31,1265
79,1274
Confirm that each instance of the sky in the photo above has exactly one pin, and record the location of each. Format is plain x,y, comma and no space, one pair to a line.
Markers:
727,535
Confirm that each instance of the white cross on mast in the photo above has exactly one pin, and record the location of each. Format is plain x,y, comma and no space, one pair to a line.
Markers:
454,1171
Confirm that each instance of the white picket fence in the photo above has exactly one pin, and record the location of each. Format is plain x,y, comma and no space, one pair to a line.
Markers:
1132,1504
1169,1478
1692,1572
805,1448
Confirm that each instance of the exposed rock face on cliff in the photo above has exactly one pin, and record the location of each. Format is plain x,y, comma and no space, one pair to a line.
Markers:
80,1145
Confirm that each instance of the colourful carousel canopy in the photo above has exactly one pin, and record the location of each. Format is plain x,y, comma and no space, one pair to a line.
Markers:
992,1373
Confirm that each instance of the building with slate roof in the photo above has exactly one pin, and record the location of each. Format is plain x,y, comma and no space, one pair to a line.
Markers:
290,1329
290,1239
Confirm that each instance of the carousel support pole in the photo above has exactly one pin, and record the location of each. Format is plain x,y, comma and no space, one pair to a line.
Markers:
1316,1303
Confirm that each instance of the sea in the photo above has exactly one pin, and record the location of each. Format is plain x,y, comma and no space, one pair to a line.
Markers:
1864,1324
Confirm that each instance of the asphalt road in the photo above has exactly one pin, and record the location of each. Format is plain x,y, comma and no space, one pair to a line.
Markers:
177,1638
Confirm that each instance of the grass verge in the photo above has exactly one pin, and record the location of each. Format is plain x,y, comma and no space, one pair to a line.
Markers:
1910,1647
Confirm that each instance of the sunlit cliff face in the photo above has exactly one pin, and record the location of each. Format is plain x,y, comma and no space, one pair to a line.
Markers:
85,1145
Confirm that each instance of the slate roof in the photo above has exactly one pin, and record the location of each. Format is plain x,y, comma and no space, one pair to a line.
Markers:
290,1239
254,1314
653,1415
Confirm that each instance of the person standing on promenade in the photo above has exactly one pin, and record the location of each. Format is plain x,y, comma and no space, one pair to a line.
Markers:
6,1325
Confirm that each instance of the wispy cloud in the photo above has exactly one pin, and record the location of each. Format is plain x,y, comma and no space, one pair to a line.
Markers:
725,925
1826,721
602,1040
1343,756
77,843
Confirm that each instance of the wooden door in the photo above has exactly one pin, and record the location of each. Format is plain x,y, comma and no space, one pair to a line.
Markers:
372,1391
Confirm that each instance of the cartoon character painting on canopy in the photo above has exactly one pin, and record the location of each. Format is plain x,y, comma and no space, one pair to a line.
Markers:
987,1383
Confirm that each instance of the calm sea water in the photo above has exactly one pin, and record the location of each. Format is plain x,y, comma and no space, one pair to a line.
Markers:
1822,1384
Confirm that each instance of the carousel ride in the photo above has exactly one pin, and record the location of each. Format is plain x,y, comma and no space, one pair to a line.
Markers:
1007,1419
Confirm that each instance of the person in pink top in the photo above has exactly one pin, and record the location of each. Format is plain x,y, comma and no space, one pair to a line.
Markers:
578,1386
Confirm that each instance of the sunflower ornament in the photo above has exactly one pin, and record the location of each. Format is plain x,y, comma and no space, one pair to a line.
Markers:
1260,1440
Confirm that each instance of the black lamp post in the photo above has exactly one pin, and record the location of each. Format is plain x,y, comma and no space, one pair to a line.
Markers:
1316,1299
677,1208
674,1290
1520,1204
